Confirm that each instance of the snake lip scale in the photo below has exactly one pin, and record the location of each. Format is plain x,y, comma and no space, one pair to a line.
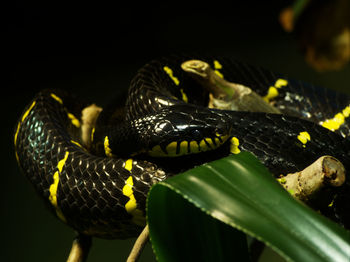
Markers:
98,184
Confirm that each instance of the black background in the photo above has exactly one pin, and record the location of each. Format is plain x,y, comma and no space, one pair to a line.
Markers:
94,50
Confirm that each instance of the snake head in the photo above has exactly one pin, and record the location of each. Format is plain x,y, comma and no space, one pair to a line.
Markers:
185,130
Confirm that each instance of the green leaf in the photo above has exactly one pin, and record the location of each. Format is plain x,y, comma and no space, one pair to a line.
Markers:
239,193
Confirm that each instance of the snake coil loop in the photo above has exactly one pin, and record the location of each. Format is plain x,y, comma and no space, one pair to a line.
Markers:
164,128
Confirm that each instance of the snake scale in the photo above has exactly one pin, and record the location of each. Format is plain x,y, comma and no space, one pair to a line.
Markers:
165,127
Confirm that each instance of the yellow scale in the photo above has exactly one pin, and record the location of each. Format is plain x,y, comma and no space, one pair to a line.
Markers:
272,92
218,66
108,150
304,137
131,206
339,119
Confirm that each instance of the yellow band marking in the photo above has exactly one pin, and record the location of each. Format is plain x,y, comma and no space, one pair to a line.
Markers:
218,66
272,92
234,146
171,75
127,189
26,113
183,148
339,119
203,146
16,134
217,141
346,111
24,116
92,134
76,143
17,131
219,73
59,100
281,82
131,205
332,202
128,164
171,148
184,96
194,147
108,150
221,139
54,186
304,137
210,142
74,120
156,151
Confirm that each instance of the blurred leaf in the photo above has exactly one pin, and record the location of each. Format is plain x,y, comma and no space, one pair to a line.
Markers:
240,193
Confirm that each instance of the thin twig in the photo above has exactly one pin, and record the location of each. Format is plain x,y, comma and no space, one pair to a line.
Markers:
140,243
80,248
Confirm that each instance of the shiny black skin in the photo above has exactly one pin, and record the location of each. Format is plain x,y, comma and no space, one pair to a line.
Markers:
90,189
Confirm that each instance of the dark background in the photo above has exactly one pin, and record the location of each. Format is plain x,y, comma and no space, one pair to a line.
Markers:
94,50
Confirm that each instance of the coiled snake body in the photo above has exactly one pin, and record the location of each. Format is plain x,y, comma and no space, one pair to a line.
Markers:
100,189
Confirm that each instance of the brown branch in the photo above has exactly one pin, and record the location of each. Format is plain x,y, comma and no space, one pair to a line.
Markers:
224,94
326,171
140,243
89,117
80,248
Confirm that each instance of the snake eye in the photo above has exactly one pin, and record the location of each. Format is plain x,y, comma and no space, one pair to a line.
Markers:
196,135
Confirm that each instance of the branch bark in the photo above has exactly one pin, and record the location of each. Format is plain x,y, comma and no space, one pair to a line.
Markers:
80,248
224,94
140,243
326,171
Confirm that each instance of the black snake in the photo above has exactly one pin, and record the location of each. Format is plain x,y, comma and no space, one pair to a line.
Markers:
100,189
